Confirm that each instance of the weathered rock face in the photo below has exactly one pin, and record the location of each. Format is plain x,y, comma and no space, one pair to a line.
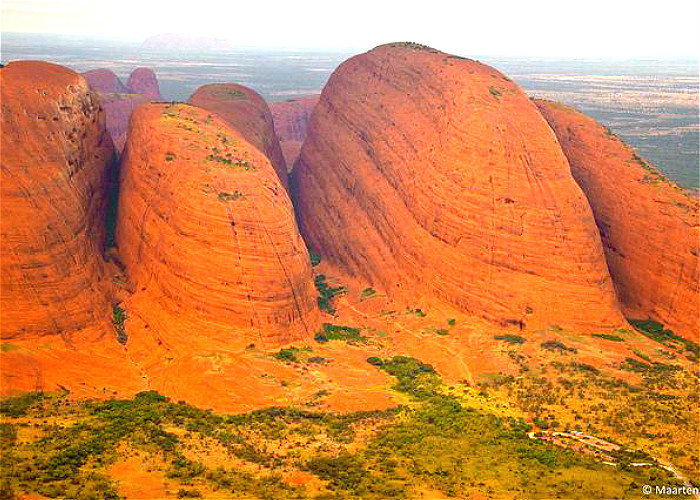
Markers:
143,81
649,227
249,114
104,80
119,101
207,234
291,123
427,174
55,158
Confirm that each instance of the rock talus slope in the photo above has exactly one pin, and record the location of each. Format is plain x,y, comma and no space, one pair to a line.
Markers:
207,234
291,120
428,174
56,155
249,114
649,227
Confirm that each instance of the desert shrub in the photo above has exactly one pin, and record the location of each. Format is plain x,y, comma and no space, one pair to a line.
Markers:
315,258
118,318
338,332
510,339
327,293
608,336
556,346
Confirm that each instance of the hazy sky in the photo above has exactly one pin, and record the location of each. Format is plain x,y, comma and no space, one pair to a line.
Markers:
486,27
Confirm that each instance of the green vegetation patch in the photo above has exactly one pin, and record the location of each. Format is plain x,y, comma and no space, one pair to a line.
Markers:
118,319
299,355
315,258
368,293
510,339
656,331
337,332
226,197
556,346
327,293
416,312
608,336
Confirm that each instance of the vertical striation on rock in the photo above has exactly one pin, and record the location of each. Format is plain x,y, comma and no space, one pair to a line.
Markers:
249,114
207,234
291,120
649,227
56,156
429,174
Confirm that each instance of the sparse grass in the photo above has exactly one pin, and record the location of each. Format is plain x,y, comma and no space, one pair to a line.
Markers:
656,331
415,312
556,346
368,293
510,339
608,336
226,197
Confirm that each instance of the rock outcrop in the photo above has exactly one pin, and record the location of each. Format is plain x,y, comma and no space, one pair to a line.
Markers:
143,81
119,101
56,157
207,234
291,120
649,227
104,81
247,112
430,175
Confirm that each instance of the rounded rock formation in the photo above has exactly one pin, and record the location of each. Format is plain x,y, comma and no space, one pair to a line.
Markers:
207,234
291,120
247,112
649,227
56,156
143,81
104,80
427,174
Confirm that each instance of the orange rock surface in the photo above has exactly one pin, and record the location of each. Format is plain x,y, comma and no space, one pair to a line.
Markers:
248,113
291,123
56,155
649,227
208,237
427,174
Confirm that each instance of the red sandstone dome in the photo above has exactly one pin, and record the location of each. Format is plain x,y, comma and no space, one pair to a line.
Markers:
56,156
649,227
143,81
291,123
104,80
249,114
429,174
207,234
119,101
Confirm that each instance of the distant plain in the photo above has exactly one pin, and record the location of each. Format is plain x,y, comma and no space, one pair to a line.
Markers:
652,104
